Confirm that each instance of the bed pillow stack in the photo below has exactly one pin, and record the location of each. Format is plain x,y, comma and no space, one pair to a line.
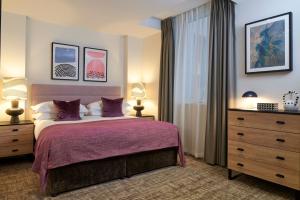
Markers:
96,108
48,111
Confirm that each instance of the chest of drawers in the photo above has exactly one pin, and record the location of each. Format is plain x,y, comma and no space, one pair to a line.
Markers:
265,145
16,139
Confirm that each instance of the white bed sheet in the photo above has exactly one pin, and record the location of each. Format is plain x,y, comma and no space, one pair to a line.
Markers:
41,124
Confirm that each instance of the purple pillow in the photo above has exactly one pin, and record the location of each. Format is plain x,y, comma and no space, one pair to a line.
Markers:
112,107
67,110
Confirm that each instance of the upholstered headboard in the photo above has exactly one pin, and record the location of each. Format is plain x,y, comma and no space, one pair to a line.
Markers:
86,94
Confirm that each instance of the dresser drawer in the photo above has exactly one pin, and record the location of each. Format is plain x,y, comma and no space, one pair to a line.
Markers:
16,130
274,157
275,174
269,121
273,139
15,139
15,150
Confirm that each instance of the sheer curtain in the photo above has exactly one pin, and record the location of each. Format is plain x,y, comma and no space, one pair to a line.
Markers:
191,37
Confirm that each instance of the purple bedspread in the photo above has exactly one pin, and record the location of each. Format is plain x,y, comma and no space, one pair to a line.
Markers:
65,144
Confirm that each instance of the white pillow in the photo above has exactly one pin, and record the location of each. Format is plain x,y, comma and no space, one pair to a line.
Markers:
126,108
49,107
94,113
48,116
95,106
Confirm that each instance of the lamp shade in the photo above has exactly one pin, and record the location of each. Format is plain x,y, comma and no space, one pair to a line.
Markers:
138,90
14,88
249,94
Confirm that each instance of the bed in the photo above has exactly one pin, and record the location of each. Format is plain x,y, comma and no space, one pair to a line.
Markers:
61,172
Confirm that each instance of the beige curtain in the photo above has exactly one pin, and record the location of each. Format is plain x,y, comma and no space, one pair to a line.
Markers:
166,81
221,78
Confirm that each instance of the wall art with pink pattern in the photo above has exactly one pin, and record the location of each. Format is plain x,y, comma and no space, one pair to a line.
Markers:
95,64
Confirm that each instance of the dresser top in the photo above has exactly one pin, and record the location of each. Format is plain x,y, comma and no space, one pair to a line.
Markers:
22,122
260,111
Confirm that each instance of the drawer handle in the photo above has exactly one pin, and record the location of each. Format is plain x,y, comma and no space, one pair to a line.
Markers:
240,149
280,175
280,158
240,134
240,164
15,140
15,130
280,122
240,118
15,150
280,140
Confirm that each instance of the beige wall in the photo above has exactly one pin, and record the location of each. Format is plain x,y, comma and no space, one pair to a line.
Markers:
143,65
13,53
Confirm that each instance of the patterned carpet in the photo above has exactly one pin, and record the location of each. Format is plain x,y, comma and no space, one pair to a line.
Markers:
196,181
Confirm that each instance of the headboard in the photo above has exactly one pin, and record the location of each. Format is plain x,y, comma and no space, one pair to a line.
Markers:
86,94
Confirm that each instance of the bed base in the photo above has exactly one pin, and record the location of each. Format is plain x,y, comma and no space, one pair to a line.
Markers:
89,173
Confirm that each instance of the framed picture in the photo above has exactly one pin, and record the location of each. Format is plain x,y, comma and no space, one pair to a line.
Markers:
95,65
269,44
65,62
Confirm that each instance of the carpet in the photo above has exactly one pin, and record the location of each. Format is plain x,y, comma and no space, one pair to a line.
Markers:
197,181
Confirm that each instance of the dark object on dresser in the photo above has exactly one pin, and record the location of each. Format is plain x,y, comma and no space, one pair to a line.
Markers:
84,174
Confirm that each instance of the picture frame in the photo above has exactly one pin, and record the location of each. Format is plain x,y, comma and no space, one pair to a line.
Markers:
95,64
65,62
268,45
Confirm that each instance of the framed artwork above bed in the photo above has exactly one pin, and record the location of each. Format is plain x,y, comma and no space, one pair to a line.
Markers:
269,44
95,65
65,62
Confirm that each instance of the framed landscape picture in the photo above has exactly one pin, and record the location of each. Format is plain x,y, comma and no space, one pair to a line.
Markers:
65,62
95,65
269,44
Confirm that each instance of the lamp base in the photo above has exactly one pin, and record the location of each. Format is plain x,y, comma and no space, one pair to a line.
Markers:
138,110
14,113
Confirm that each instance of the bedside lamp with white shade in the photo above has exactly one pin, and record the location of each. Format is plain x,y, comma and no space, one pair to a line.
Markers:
138,91
14,89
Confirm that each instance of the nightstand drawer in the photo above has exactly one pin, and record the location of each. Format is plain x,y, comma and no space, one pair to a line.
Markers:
274,157
273,139
15,139
15,150
281,176
269,121
16,130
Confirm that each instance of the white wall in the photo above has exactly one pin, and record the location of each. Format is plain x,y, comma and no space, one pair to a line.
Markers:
40,35
269,86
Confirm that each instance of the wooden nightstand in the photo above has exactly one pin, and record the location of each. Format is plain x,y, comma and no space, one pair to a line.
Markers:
150,117
16,139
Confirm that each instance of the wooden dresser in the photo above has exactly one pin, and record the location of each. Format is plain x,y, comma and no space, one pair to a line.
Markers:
265,145
16,139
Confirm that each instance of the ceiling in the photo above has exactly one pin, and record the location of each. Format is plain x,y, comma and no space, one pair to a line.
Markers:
124,17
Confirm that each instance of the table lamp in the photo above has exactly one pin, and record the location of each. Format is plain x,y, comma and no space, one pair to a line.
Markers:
14,89
138,92
250,99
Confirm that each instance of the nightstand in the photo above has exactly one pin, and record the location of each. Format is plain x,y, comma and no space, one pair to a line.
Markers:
16,139
150,117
